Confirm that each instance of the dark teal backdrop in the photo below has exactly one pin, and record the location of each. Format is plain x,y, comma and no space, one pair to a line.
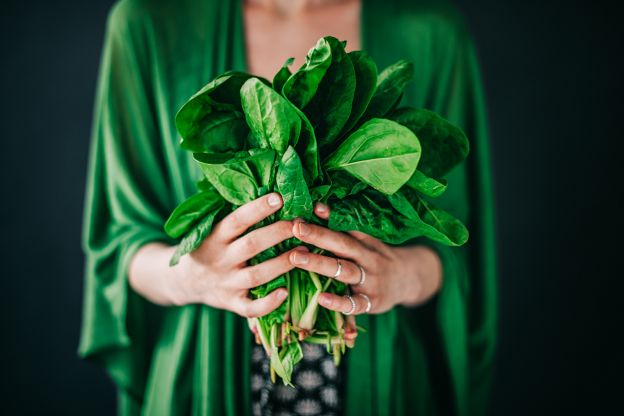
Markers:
553,75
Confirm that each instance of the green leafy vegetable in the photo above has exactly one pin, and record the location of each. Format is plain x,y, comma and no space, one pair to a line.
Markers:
365,71
291,184
390,86
191,211
270,116
329,132
444,144
197,234
282,75
381,153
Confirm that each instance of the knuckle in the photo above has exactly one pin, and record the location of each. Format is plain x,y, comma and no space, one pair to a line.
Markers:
249,243
247,311
232,221
254,278
284,228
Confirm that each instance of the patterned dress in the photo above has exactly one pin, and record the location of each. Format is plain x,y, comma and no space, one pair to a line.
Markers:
318,391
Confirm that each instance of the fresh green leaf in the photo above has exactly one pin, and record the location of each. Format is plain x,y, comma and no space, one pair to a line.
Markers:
304,83
307,148
271,118
238,177
390,86
222,131
371,213
428,220
197,234
282,75
426,185
204,120
381,153
330,107
365,86
444,145
396,218
290,183
191,211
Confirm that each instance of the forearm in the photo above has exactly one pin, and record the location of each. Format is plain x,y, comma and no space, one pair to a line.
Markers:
150,274
423,274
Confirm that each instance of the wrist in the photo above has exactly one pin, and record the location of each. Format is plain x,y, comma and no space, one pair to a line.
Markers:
423,275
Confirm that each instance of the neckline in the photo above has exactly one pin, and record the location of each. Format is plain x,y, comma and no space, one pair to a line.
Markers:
241,57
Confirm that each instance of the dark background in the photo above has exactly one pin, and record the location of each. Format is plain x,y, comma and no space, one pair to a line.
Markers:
553,76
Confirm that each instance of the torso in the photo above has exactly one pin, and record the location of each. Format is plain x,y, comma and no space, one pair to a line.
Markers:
271,39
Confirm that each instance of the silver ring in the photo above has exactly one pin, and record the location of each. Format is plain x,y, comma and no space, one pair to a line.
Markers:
352,305
338,269
362,276
369,304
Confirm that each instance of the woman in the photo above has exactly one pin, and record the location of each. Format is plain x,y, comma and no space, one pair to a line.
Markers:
173,339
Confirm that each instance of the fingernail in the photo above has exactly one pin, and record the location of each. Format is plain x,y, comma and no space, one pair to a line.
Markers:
274,200
301,248
300,258
304,228
324,300
322,208
282,294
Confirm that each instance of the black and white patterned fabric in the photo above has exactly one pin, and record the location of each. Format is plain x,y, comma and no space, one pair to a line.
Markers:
318,391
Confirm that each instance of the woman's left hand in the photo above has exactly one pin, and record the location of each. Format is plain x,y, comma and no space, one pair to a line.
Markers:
407,275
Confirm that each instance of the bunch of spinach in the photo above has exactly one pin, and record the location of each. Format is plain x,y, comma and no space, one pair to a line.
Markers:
330,132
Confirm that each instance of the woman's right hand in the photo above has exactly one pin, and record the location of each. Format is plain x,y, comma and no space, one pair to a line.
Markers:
217,273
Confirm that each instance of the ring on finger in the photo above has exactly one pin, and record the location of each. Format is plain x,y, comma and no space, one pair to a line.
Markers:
352,305
338,269
369,304
362,275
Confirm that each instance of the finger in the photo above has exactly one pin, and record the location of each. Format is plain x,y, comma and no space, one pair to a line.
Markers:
327,266
245,216
351,332
321,210
259,240
341,244
341,303
255,308
259,274
369,241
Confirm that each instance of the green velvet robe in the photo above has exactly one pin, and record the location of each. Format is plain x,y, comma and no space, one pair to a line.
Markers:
434,359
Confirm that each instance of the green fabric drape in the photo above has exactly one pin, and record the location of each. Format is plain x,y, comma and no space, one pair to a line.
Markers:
434,359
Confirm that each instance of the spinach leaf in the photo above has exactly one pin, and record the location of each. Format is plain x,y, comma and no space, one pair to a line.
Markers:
396,218
282,75
238,177
203,121
303,84
307,148
381,153
444,145
198,233
425,219
343,184
290,183
426,185
221,131
390,86
330,108
365,71
189,212
271,118
369,212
